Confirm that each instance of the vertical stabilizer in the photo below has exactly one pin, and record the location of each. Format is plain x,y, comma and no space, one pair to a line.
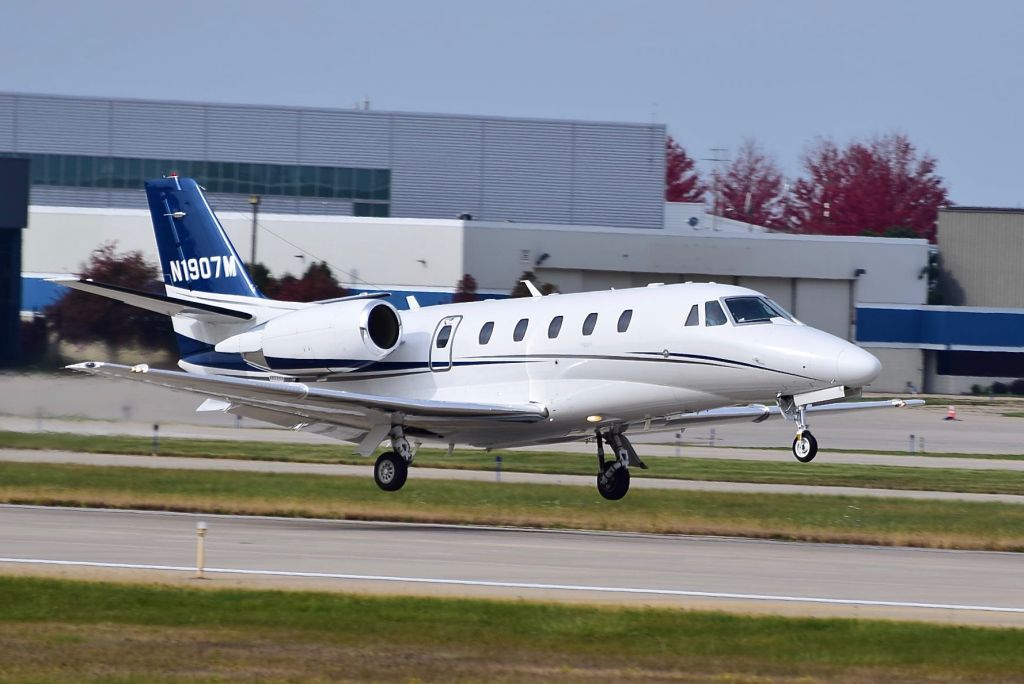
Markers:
195,253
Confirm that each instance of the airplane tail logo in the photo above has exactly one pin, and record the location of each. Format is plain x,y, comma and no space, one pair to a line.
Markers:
195,253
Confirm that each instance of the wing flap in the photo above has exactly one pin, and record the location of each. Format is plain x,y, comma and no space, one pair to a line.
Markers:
318,405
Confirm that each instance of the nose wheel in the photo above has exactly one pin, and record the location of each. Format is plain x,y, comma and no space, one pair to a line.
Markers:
805,446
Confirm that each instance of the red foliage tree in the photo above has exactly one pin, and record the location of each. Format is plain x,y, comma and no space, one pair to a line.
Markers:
752,188
682,182
316,284
465,290
873,187
80,317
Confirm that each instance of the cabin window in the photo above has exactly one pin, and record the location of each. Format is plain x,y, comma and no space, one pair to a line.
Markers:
443,336
624,318
485,332
554,327
753,310
589,323
713,314
520,331
692,318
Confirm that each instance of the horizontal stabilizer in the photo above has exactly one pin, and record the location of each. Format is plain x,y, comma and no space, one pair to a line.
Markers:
169,306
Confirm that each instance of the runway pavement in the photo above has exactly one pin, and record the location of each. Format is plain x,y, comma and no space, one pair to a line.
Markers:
732,574
637,482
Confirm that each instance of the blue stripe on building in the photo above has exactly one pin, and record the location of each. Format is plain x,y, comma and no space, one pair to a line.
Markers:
37,294
941,327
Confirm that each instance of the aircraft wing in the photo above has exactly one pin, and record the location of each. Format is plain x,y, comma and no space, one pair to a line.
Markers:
348,415
757,413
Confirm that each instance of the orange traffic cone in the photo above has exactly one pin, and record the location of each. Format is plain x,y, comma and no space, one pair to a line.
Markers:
951,413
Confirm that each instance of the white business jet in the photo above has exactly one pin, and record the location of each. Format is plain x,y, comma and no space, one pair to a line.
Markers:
498,373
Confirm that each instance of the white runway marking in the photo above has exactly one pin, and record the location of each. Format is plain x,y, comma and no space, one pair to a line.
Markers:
524,585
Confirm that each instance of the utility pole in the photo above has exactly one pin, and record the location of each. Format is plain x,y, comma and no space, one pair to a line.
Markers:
717,156
254,200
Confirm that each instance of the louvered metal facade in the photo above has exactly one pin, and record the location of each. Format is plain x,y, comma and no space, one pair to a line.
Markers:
982,251
526,170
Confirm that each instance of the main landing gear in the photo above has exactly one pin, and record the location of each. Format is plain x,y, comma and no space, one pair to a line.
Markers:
613,475
805,446
392,467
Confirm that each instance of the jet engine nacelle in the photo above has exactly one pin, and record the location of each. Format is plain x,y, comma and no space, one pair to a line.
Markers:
326,338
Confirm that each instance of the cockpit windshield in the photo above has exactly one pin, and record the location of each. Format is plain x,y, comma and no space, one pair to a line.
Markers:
755,310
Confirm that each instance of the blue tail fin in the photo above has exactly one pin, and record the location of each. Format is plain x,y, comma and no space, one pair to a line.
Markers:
195,252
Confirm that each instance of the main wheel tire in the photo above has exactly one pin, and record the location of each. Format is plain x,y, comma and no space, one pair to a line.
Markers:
614,483
390,471
805,447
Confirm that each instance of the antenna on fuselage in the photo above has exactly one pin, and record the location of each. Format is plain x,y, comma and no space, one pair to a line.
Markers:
534,292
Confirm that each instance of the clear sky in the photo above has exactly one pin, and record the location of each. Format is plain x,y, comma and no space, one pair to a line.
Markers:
948,74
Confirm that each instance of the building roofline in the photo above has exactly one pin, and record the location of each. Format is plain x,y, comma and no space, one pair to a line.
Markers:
334,110
983,210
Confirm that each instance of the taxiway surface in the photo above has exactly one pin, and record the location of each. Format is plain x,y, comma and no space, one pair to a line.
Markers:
732,574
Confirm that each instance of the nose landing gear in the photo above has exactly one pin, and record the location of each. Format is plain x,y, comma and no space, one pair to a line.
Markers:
805,446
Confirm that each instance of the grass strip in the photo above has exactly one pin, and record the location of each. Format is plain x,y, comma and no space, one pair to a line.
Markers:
786,471
71,631
905,522
869,452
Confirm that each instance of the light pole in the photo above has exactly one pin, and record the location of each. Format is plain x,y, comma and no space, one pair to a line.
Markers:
254,200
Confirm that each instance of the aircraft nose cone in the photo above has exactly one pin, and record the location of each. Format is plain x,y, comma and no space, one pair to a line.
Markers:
856,367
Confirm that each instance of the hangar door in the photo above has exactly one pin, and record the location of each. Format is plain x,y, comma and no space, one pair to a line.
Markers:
824,304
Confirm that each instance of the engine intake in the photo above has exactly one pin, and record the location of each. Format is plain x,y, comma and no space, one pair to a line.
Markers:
328,338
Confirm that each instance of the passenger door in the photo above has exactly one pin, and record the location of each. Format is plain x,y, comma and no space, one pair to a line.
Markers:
442,342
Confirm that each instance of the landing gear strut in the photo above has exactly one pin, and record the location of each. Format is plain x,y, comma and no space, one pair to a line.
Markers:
805,446
613,475
392,467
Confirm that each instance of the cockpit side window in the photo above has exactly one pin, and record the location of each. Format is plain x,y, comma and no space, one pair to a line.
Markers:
753,310
779,310
713,314
693,317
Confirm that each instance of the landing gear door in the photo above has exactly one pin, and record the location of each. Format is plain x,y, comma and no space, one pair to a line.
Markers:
442,343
